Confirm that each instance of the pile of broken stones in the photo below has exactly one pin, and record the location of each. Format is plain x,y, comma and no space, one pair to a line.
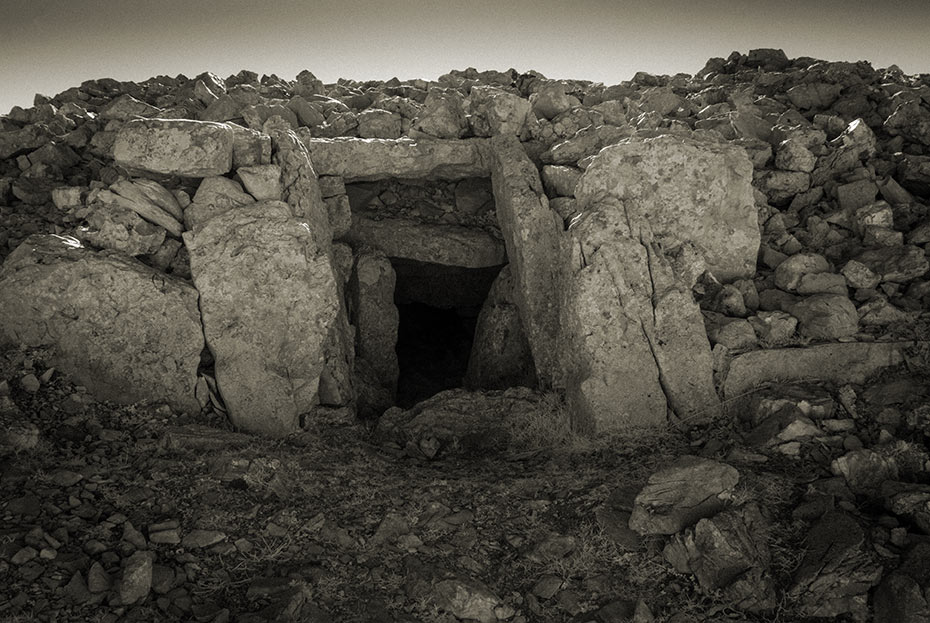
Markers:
765,223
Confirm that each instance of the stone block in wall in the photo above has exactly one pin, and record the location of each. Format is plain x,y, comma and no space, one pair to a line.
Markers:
450,245
122,329
357,160
175,147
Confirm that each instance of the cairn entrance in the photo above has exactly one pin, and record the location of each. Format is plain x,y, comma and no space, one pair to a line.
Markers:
440,251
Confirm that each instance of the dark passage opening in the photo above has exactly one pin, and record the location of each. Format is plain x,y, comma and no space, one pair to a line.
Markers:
438,310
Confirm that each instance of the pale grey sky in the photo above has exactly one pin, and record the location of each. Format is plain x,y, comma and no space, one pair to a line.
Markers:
47,46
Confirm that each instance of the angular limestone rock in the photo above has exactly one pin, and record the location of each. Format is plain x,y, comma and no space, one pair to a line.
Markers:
689,191
175,147
837,570
359,160
301,191
728,553
676,497
269,300
837,363
450,245
124,330
532,233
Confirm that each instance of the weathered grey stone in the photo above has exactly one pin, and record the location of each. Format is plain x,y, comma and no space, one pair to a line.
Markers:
586,142
836,572
141,340
727,553
262,181
495,111
826,316
302,186
500,355
532,235
864,470
126,107
560,180
214,196
377,123
269,300
551,100
175,147
358,160
628,317
789,273
458,421
852,362
450,245
442,115
898,264
144,208
136,581
339,211
375,318
900,599
676,497
704,190
148,191
111,226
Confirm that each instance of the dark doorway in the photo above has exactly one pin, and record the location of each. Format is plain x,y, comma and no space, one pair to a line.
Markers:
433,346
438,310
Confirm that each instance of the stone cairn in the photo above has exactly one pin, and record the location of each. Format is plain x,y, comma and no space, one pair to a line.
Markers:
671,242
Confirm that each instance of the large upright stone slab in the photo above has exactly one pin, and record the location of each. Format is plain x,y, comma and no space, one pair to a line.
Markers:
689,191
500,355
376,319
532,233
301,190
175,147
125,331
269,300
633,340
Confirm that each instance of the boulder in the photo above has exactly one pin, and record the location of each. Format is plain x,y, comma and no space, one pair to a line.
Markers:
141,341
688,190
837,570
825,316
462,422
676,497
500,355
175,147
109,225
788,274
852,362
551,100
495,111
442,115
263,280
628,317
727,553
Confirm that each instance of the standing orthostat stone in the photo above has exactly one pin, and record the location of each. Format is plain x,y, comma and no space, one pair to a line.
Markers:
268,299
